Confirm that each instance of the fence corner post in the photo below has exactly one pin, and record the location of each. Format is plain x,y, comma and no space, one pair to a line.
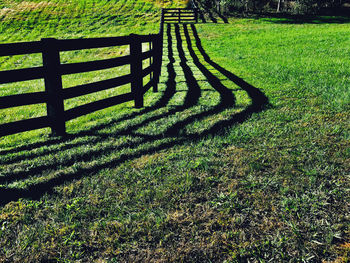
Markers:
136,70
53,86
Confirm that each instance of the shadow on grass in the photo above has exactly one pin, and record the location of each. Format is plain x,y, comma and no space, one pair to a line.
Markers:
210,11
283,18
80,164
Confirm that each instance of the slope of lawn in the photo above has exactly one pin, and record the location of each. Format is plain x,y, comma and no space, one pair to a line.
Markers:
243,156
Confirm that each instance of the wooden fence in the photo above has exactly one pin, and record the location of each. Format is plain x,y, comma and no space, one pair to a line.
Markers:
180,15
52,71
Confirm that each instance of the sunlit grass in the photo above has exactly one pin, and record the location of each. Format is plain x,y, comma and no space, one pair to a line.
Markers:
126,186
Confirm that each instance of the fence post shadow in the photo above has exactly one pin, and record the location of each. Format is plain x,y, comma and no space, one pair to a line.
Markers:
208,9
259,99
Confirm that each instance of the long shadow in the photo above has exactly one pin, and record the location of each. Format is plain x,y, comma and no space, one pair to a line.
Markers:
29,155
194,91
226,94
224,19
194,4
201,16
227,98
259,100
210,14
88,163
36,191
208,9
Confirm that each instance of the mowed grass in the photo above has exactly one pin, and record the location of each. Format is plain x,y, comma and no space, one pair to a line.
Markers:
193,177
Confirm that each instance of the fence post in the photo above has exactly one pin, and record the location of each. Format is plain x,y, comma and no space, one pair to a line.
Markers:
158,46
196,14
136,70
151,61
53,86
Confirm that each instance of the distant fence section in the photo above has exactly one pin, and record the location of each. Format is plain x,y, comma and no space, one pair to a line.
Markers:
180,15
52,71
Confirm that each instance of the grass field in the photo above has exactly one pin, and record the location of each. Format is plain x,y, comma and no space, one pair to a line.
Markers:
243,155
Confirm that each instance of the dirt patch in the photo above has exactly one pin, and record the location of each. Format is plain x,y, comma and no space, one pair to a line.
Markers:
13,8
5,11
28,6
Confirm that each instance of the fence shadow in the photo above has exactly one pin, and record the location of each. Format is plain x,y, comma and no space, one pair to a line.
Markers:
211,12
295,19
182,40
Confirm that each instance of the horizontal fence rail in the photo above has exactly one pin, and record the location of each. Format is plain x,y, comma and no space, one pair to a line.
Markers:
53,70
180,15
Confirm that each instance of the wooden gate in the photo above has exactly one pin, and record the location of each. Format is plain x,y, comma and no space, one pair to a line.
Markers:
180,15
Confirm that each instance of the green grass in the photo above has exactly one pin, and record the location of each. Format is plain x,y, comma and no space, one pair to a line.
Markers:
195,179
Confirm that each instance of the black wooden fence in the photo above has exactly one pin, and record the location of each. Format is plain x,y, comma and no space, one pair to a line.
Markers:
52,71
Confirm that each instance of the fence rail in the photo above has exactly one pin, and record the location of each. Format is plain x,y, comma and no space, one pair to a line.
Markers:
53,70
20,48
